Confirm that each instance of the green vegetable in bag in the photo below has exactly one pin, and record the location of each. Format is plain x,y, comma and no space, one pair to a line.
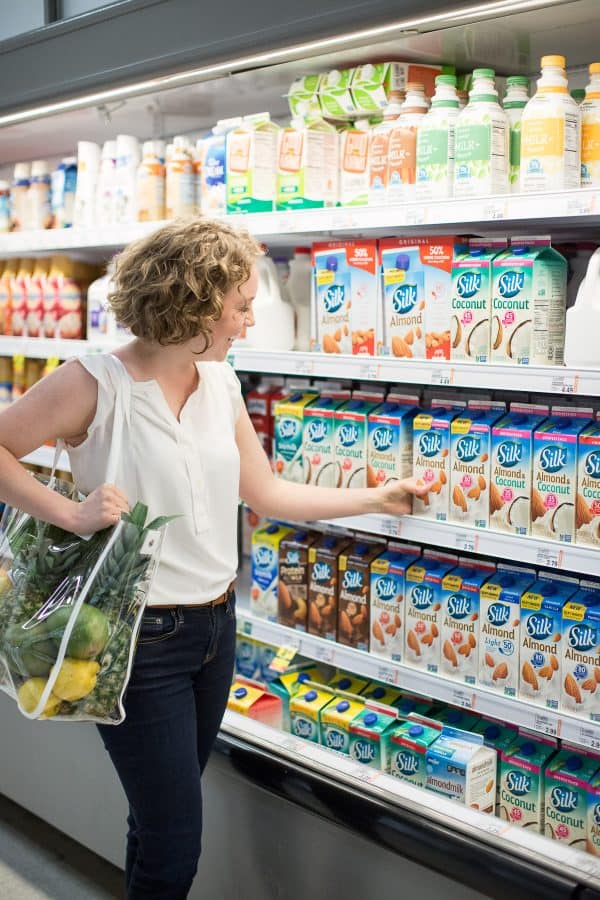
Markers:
29,652
90,633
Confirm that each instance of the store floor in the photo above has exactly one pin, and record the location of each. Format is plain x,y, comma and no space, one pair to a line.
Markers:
37,862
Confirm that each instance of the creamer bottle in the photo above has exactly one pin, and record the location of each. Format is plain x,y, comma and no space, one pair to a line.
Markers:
481,150
106,185
213,197
128,159
7,280
590,130
150,185
402,151
435,142
551,133
40,210
180,197
88,165
515,101
354,163
19,197
379,149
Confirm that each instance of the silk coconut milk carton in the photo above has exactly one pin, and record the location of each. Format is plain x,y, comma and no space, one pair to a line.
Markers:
409,744
460,619
471,300
470,453
587,505
306,709
352,439
567,784
423,585
318,439
369,736
288,434
431,458
522,788
580,644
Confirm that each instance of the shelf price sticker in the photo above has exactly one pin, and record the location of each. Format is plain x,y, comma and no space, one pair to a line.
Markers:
463,698
550,557
325,653
565,384
387,673
580,205
282,660
548,725
368,370
467,543
494,211
588,737
442,377
390,526
416,215
304,366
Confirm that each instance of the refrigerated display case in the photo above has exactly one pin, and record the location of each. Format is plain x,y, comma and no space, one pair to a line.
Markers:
289,820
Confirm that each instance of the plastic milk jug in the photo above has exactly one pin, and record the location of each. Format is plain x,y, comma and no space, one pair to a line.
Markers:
551,133
298,288
481,150
19,213
590,130
583,320
514,103
40,210
402,150
435,142
274,318
180,188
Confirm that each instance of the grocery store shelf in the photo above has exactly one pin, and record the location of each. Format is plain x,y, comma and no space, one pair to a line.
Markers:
336,767
506,709
46,348
579,208
542,379
44,456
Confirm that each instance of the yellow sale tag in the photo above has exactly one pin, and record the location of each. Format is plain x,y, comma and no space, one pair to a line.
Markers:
283,659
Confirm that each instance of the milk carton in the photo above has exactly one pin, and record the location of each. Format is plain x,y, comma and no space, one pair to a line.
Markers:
423,609
318,439
306,708
554,491
348,683
353,594
500,628
246,657
580,663
354,164
296,678
335,99
307,165
387,594
593,816
265,569
431,458
260,403
373,82
499,736
213,188
461,768
470,454
390,440
471,300
512,468
292,589
381,695
409,744
522,788
303,96
457,718
251,699
323,563
541,636
288,433
460,620
587,509
335,723
369,737
345,295
567,785
410,705
252,165
351,440
528,304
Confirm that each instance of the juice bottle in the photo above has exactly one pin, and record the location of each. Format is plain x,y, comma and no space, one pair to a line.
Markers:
63,186
481,154
590,130
150,185
515,101
7,277
40,211
402,151
435,142
19,288
379,149
19,194
551,133
180,195
35,297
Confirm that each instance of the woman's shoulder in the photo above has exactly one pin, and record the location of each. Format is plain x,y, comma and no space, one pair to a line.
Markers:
223,380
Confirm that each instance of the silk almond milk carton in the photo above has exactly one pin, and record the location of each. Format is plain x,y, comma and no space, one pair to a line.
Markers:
323,564
387,615
353,593
522,788
567,784
423,609
500,628
318,439
431,458
580,645
460,620
587,509
541,639
390,436
470,463
292,590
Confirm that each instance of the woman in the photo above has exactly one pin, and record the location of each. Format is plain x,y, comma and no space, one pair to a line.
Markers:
186,293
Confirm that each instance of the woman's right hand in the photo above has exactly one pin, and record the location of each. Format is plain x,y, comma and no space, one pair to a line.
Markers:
100,509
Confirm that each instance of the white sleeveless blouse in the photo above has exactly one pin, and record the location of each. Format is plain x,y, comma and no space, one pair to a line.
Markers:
189,468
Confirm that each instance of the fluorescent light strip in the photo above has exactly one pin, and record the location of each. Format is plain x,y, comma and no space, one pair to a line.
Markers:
484,10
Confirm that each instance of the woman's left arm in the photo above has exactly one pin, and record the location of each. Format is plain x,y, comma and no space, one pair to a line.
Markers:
279,499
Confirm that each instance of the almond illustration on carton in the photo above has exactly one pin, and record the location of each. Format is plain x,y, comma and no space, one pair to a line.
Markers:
400,347
330,345
345,624
465,650
500,672
589,685
413,642
546,672
449,654
496,501
378,633
284,595
337,335
489,660
427,639
481,482
538,508
597,674
472,640
371,476
434,629
572,688
458,498
529,676
409,338
474,493
554,663
583,515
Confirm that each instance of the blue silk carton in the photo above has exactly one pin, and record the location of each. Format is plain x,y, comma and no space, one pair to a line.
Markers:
423,608
390,440
580,664
460,619
462,768
431,458
470,453
318,439
265,569
472,300
352,440
387,595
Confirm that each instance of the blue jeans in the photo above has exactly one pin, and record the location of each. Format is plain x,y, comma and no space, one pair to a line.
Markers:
175,701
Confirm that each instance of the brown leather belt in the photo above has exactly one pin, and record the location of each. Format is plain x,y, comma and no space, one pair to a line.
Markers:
222,598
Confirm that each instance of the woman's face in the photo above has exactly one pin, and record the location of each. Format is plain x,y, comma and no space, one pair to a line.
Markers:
236,317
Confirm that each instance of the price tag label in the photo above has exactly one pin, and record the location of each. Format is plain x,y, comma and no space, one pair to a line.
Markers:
565,384
545,724
387,674
442,377
494,211
579,206
589,737
281,662
247,628
551,557
341,220
325,654
364,773
416,215
368,371
288,744
391,527
466,542
463,698
286,223
304,366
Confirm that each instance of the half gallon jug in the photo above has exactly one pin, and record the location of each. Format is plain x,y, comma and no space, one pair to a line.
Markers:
582,348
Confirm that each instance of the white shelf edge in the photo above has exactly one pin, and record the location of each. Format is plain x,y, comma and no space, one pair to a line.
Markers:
46,348
435,807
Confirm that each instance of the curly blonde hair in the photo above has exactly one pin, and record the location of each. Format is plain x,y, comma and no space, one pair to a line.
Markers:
168,287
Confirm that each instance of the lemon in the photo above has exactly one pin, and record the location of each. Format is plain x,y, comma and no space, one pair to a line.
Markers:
29,696
76,678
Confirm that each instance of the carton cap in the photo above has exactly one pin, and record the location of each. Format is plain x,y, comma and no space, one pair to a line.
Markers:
240,692
527,749
491,732
573,763
343,684
370,718
302,677
415,730
342,706
310,696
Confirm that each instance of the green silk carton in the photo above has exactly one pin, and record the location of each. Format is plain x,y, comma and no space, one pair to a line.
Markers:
306,708
409,744
522,790
335,723
567,785
593,816
369,737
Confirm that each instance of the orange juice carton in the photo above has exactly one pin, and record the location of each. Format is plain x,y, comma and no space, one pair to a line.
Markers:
335,722
499,736
522,788
470,462
472,300
352,439
500,628
251,699
423,605
387,614
292,588
354,164
372,83
251,163
587,510
348,683
408,746
287,685
265,569
567,782
381,694
306,709
318,439
323,568
554,491
288,432
593,816
512,468
345,296
457,718
370,731
353,593
390,436
460,619
459,766
260,404
335,98
307,165
431,457
541,639
580,664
